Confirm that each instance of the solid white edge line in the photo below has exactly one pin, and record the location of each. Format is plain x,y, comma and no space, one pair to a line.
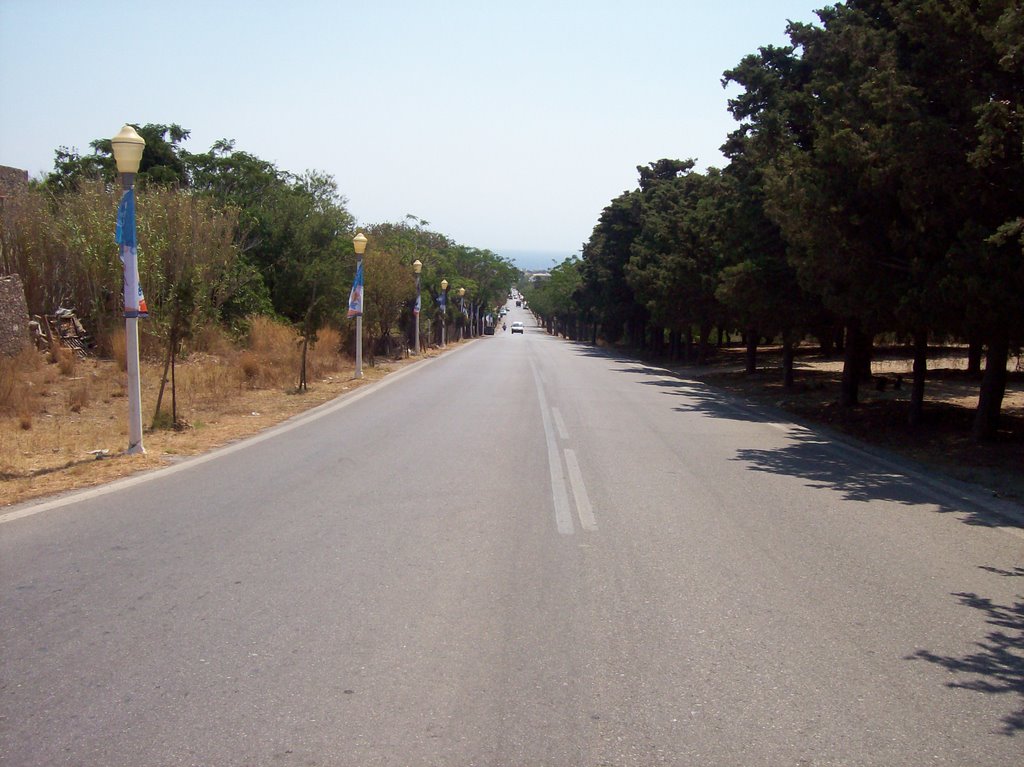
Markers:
294,422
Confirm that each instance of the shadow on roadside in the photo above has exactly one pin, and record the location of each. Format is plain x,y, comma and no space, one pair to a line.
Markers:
809,455
997,665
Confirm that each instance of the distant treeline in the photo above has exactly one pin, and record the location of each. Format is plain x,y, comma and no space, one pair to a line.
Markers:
224,236
875,184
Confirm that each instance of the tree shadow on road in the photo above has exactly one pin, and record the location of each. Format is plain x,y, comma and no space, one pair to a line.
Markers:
825,465
811,452
997,666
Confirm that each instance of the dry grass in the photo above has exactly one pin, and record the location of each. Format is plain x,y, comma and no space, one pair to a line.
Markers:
55,427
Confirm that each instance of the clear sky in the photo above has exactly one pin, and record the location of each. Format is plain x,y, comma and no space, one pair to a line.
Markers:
506,125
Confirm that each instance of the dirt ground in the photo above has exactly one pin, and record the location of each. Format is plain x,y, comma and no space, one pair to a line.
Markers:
943,442
67,449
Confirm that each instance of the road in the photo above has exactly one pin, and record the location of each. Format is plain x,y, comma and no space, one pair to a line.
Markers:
524,552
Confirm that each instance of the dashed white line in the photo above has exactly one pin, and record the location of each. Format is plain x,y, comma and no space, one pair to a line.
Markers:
579,491
559,423
559,494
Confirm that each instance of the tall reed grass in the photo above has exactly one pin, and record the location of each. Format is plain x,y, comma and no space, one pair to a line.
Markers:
15,382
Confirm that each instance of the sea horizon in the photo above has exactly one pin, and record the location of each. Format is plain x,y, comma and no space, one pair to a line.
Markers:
536,260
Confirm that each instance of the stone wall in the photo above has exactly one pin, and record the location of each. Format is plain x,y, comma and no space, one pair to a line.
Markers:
14,335
12,181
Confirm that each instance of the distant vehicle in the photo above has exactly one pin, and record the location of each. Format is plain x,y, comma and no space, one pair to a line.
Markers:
489,330
517,327
519,303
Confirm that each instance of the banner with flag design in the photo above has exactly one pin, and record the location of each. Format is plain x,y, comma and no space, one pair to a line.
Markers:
124,235
355,297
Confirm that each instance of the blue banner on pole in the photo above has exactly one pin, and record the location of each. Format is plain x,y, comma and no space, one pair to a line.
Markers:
124,235
355,297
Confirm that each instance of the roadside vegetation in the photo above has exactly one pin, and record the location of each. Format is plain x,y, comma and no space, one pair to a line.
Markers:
874,195
246,270
873,199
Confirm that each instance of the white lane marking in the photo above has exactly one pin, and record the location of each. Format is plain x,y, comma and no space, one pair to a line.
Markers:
559,495
579,491
559,423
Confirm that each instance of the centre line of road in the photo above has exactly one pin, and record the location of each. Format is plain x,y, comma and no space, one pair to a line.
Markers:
559,423
559,495
579,491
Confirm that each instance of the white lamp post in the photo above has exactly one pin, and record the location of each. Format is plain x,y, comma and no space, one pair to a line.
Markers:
127,147
359,243
444,313
417,267
462,310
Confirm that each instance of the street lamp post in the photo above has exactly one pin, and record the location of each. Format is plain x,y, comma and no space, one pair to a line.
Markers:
444,313
359,243
462,310
127,147
417,267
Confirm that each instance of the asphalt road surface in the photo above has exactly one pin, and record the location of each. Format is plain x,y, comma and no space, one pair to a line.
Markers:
525,552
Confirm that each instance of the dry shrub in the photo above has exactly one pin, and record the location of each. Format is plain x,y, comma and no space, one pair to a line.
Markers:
15,374
202,382
117,348
249,362
269,338
212,339
65,358
324,357
152,347
277,348
78,396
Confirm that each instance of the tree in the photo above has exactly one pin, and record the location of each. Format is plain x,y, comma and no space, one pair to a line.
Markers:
191,244
163,161
676,258
603,269
757,285
310,236
389,290
553,298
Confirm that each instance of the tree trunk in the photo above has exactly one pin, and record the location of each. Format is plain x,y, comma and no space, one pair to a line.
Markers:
867,351
705,342
852,364
163,379
826,342
993,387
658,340
974,350
163,385
787,359
675,344
174,385
302,372
752,338
920,371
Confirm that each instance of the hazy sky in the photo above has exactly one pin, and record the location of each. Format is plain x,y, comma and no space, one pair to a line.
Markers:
506,125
